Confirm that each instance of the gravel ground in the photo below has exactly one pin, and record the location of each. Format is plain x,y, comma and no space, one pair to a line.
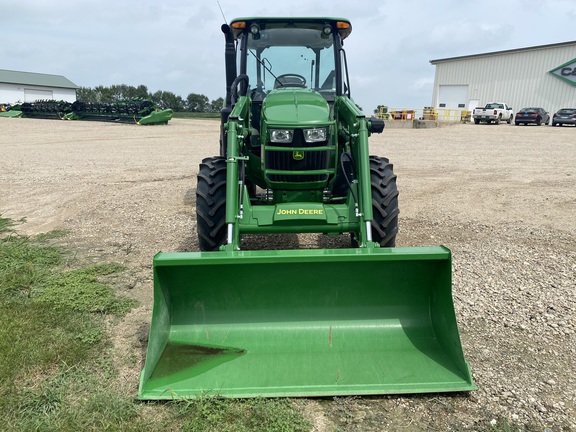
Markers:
501,197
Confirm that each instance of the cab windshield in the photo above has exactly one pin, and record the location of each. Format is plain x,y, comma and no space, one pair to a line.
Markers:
290,57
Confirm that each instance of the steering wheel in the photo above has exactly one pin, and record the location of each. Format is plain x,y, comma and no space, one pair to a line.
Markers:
290,80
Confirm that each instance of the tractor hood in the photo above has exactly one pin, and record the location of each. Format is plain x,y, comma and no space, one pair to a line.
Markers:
295,107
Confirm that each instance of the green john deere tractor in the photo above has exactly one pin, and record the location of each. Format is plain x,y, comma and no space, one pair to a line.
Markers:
294,158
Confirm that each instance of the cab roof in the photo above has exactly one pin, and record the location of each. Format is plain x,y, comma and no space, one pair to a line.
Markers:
342,25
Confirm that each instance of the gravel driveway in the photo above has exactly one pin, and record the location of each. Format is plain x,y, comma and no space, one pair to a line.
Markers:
501,197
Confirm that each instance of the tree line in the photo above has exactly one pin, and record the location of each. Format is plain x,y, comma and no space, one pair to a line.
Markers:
193,103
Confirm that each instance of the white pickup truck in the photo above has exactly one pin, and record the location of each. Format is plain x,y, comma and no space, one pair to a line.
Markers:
493,112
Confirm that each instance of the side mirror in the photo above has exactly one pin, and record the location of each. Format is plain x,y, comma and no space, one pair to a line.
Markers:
375,125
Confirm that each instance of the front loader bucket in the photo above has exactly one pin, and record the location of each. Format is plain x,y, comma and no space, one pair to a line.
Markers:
303,323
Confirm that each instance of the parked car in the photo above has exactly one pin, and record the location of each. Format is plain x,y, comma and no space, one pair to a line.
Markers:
564,116
538,116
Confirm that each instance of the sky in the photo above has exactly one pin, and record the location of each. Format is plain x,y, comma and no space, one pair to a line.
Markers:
177,45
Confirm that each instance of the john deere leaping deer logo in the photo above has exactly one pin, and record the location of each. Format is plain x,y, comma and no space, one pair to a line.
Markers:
298,155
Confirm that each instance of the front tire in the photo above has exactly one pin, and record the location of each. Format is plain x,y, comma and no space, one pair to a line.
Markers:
211,203
384,201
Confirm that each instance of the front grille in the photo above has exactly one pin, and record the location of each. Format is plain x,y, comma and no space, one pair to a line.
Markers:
297,160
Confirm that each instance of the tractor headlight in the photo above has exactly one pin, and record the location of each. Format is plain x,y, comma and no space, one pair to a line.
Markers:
315,135
281,135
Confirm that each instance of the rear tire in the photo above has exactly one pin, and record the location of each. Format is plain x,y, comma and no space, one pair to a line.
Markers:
384,201
211,203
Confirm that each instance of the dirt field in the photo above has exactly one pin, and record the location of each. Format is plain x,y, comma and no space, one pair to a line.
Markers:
501,197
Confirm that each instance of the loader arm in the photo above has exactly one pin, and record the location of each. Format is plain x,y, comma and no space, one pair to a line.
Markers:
237,129
353,128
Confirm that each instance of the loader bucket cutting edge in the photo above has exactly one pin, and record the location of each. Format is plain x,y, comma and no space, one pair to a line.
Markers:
303,323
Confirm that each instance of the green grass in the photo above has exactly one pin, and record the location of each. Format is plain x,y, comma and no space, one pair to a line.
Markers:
52,332
241,415
5,225
81,291
57,371
71,399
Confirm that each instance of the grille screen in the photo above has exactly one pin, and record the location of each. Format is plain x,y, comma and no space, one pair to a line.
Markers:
297,161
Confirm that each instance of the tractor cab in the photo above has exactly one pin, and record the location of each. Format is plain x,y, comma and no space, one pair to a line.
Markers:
282,52
278,54
299,58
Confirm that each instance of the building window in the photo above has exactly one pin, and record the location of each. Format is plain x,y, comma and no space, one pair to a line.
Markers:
461,105
442,105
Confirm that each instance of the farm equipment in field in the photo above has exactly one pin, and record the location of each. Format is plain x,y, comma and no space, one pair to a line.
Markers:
46,109
140,111
9,110
294,158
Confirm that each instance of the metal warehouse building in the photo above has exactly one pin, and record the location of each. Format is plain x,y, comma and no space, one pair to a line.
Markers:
541,76
29,87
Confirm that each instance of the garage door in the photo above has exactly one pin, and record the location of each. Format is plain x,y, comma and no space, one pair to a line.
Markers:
31,95
453,96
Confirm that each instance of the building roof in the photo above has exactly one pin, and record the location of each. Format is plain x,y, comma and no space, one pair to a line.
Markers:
36,79
504,52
